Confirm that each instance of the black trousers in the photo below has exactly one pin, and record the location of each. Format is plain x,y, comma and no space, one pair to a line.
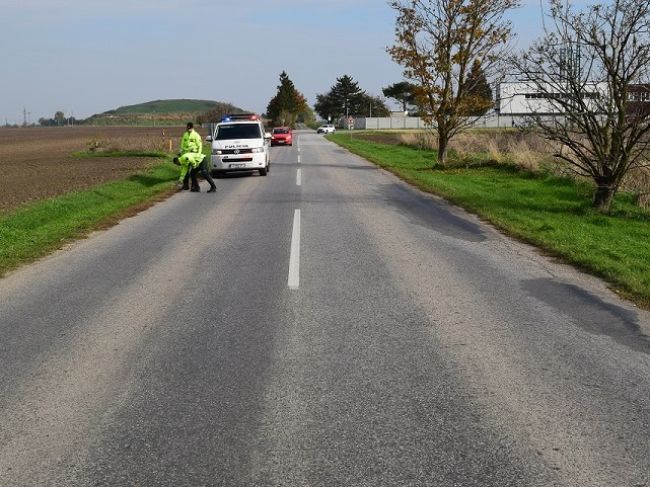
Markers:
205,172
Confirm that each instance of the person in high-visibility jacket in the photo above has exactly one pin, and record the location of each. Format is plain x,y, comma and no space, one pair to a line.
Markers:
191,164
191,140
191,143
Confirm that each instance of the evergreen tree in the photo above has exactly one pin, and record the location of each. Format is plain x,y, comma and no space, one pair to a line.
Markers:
344,98
288,103
478,92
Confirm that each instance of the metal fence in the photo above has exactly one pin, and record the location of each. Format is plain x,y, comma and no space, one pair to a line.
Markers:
492,120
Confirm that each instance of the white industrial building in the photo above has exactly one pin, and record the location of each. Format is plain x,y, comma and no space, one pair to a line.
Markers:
521,98
516,102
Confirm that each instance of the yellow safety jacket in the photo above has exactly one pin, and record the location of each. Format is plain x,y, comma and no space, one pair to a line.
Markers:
189,159
191,142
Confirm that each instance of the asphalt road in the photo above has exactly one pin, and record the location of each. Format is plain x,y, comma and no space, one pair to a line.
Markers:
325,325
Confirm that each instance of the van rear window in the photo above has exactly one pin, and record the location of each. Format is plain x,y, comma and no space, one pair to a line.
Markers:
238,131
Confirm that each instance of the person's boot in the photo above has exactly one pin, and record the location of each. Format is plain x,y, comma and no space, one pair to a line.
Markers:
185,187
213,189
195,189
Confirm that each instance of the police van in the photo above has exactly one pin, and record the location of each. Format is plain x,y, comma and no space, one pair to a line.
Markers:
240,143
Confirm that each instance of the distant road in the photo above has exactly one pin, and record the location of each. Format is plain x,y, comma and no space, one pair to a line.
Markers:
325,325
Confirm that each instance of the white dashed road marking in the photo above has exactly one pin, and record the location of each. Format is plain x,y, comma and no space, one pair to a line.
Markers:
294,257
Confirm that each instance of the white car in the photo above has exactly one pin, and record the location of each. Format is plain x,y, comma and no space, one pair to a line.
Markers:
240,143
326,129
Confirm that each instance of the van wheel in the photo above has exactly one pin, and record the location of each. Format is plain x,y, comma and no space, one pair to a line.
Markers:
264,171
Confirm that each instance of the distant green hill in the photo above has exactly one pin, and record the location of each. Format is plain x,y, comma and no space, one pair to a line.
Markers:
161,112
168,106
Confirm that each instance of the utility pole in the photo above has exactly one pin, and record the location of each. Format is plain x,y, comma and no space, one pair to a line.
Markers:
24,117
347,117
347,110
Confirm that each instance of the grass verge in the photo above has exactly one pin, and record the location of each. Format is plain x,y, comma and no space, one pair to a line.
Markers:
37,229
550,212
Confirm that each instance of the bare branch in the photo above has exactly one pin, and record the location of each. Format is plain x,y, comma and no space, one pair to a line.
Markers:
592,70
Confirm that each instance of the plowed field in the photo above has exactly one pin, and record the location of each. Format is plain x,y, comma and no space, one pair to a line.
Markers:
37,163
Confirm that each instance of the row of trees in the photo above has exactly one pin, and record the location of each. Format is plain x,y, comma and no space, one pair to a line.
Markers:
449,48
215,114
345,98
59,120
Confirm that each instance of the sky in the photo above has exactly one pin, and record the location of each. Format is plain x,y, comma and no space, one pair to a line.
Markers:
89,56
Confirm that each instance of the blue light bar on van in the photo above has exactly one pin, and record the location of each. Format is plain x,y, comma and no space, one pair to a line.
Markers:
239,116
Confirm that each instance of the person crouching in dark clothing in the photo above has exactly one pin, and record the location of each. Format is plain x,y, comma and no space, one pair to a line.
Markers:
194,163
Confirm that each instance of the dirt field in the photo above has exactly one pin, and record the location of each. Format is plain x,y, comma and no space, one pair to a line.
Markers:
37,163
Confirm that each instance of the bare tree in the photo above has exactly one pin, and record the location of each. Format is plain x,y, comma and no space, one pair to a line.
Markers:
590,70
437,43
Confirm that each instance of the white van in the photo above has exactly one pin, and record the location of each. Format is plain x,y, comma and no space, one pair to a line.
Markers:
240,143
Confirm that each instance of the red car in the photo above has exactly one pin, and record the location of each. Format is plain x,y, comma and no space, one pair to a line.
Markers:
281,136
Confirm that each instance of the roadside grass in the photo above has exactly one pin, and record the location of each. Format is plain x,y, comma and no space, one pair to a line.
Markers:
550,212
37,229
